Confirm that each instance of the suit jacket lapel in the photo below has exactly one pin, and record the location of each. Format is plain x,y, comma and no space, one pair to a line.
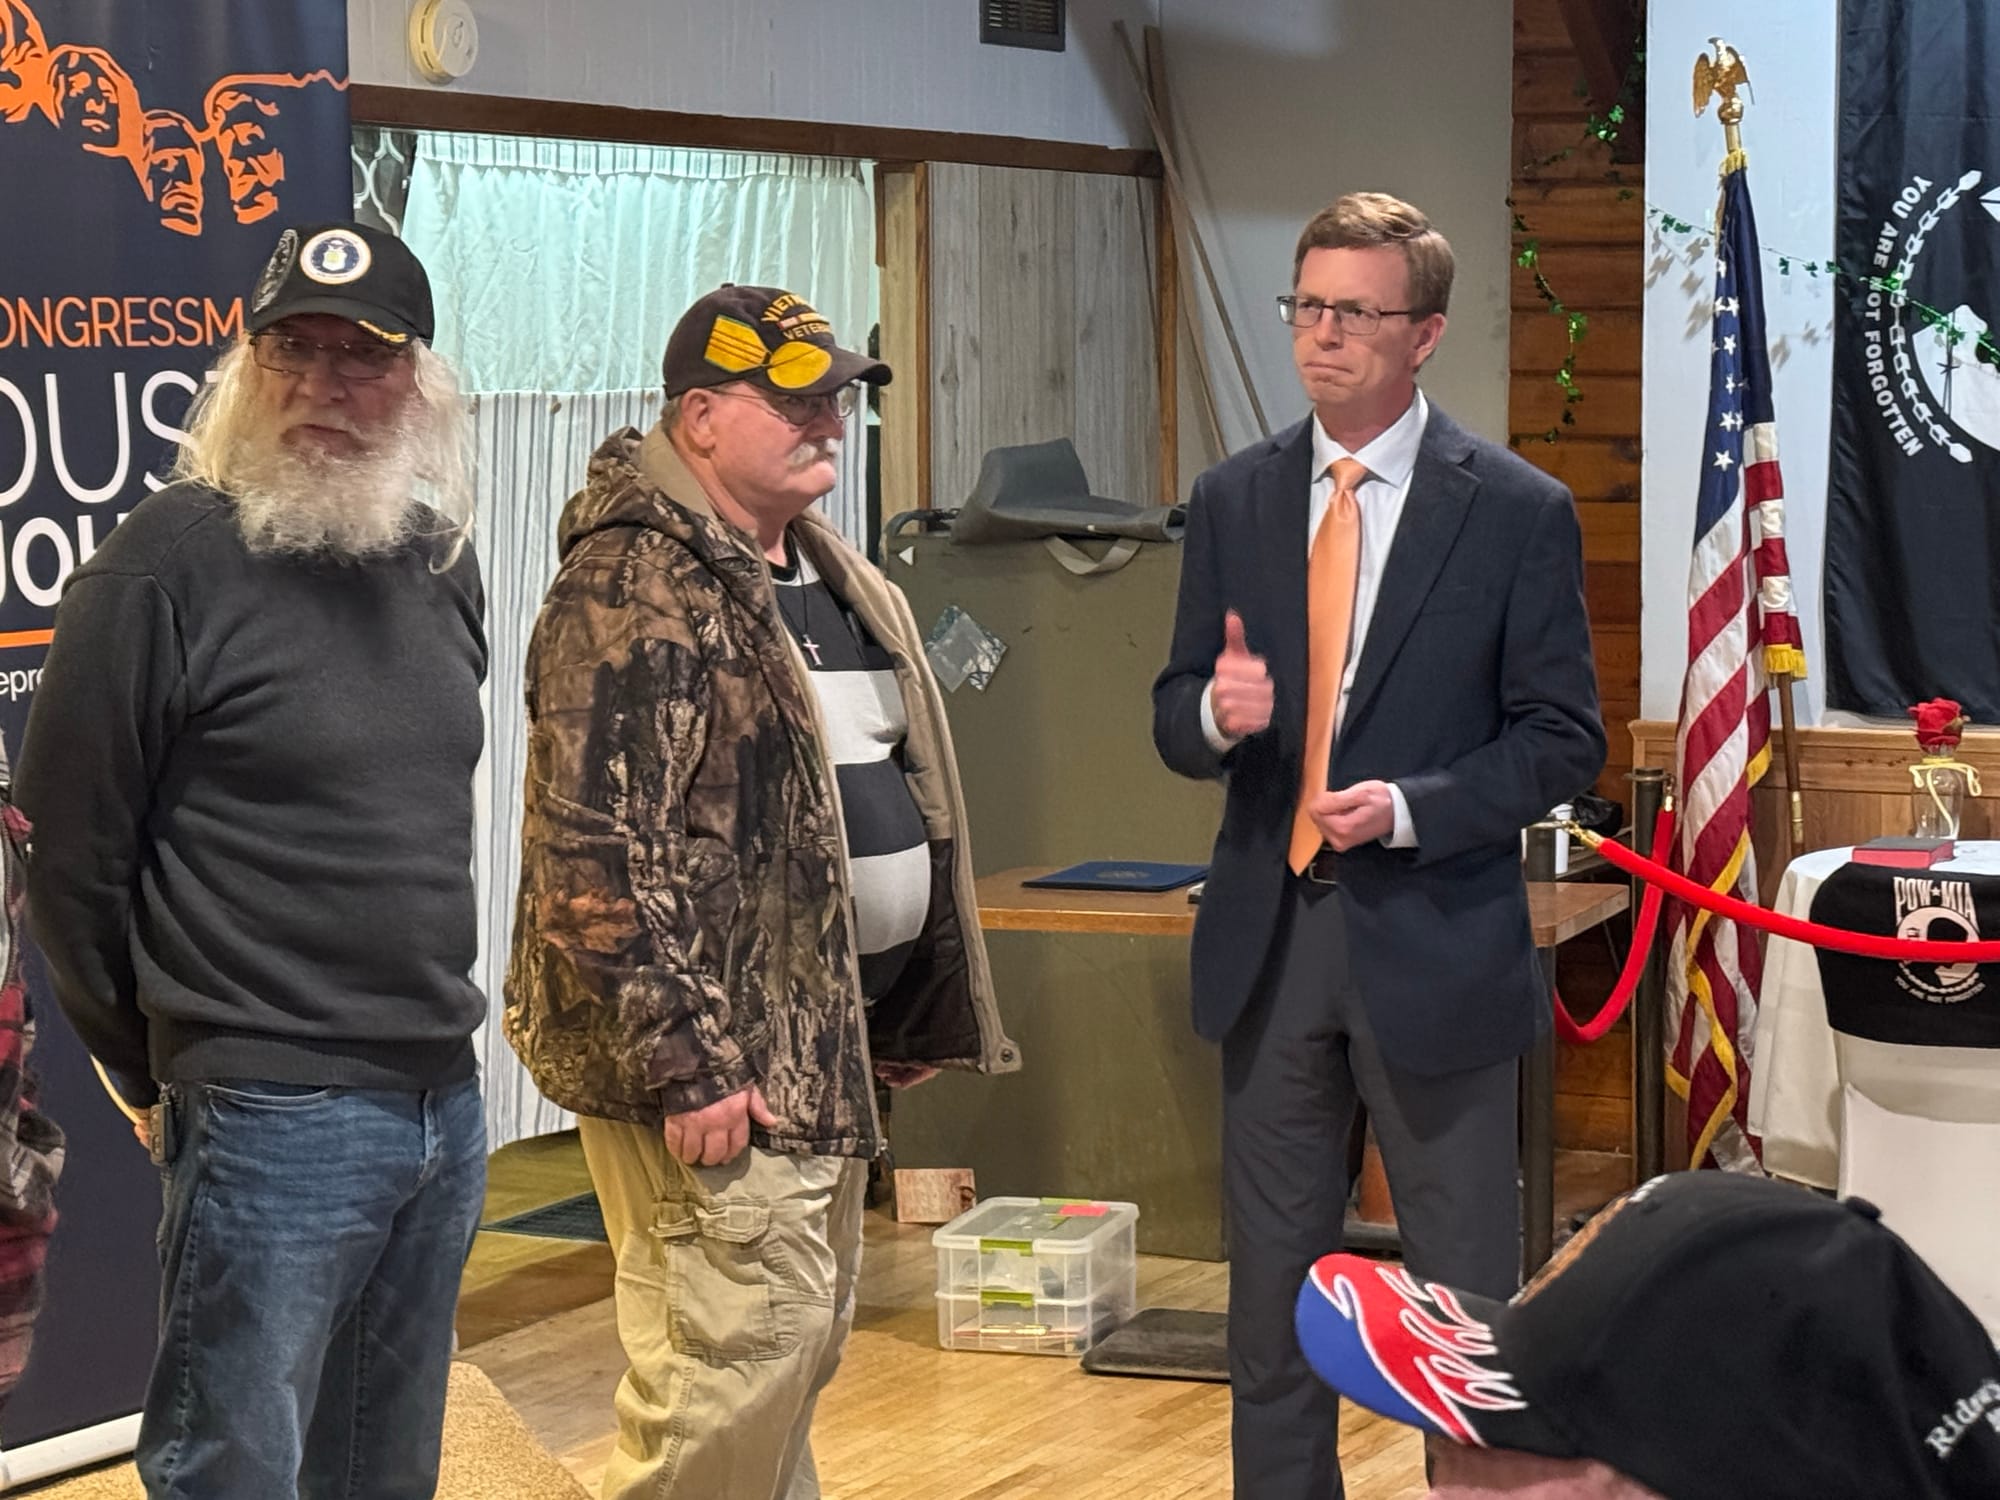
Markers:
1441,491
1282,495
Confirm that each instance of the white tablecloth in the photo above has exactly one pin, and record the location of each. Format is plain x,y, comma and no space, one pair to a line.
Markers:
1794,1075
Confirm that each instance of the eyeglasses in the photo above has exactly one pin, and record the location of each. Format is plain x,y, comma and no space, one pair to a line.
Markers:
289,354
1348,317
802,411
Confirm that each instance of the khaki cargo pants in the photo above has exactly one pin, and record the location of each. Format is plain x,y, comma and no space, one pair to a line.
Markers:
735,1295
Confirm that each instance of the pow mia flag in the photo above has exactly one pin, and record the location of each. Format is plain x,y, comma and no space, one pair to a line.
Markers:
1913,1004
1913,523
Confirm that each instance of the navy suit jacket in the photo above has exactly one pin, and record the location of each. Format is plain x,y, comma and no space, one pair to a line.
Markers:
1475,693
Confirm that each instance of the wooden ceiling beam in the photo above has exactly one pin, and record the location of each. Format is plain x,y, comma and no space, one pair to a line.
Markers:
1606,35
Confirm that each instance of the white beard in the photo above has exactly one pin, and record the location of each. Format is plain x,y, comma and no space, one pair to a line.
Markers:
315,504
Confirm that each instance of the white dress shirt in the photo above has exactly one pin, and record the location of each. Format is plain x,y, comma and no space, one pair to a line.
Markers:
1390,459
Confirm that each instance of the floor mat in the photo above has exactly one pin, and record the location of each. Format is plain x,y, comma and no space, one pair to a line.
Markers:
577,1218
488,1452
1167,1342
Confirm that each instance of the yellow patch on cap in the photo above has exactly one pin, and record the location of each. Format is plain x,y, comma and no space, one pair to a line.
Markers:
382,333
793,367
734,345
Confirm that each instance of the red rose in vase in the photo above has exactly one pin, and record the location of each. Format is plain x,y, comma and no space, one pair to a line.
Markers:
1939,723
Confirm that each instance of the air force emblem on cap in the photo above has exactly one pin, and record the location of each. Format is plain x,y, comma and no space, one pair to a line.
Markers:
335,257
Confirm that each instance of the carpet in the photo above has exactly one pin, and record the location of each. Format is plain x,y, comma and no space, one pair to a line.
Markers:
489,1454
578,1218
1166,1342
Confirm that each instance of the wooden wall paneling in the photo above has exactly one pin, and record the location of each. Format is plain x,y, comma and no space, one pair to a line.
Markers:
1560,151
902,233
1539,27
1166,292
1167,343
1595,469
1043,324
956,323
1589,278
1842,759
1548,83
1604,32
1609,409
1610,343
1116,424
1611,589
1593,1122
1585,213
1028,271
1586,216
1855,786
1610,528
921,364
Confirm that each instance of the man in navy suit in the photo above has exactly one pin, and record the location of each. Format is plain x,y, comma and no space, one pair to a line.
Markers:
1363,937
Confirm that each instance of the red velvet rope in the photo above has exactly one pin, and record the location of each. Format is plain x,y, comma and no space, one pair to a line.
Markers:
1567,1026
1814,934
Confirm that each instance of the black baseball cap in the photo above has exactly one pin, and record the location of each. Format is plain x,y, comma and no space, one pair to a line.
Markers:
767,336
1710,1335
351,271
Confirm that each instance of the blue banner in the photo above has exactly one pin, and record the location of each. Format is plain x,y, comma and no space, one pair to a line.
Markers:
150,152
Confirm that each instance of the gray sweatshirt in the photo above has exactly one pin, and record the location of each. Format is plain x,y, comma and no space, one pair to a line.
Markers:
251,782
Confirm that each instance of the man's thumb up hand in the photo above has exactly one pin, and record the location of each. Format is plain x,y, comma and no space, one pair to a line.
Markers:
1239,695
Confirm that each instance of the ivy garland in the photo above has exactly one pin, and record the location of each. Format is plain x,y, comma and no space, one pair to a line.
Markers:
1605,128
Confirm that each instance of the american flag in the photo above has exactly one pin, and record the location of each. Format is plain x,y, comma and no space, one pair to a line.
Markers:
1741,631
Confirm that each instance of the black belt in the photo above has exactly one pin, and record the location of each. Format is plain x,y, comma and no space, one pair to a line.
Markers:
1323,868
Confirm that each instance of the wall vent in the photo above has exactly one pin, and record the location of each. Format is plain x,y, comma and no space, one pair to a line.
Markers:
1022,23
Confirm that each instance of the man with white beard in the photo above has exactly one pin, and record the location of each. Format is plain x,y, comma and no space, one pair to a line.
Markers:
746,892
249,765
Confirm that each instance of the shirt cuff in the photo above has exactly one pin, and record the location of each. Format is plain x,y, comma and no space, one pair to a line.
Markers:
1219,742
1404,834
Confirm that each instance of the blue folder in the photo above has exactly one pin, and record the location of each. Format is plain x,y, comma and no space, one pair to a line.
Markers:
1120,875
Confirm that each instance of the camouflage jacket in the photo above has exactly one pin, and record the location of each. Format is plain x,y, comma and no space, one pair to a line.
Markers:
685,926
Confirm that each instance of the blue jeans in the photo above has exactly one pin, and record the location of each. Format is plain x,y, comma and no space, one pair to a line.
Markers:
311,1246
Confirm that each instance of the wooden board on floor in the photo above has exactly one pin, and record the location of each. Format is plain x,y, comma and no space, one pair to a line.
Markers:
933,1195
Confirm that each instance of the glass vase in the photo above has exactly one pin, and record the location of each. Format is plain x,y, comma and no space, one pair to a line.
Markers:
1940,796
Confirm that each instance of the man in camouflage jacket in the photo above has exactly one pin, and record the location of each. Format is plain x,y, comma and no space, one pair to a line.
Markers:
686,974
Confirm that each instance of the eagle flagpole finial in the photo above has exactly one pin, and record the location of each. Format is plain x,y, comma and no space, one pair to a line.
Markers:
1720,77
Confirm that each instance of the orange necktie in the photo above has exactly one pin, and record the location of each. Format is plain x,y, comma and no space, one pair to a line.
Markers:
1330,574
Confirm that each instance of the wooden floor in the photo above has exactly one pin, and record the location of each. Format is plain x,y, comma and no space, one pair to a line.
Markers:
904,1420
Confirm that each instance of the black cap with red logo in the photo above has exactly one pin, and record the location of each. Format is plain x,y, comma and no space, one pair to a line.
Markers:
1710,1335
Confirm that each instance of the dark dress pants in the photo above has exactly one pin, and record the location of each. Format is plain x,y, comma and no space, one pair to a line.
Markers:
1295,1067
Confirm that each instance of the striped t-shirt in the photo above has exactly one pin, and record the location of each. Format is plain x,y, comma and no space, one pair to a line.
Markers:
865,728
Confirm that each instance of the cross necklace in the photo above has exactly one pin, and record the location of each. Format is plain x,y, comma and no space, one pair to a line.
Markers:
802,622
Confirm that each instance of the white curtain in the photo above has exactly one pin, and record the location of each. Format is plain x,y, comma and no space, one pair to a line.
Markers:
559,267
531,452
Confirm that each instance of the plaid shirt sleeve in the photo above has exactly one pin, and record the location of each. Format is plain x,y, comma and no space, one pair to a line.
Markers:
31,1147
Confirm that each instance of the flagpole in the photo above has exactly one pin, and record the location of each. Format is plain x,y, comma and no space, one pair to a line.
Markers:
1723,76
1781,684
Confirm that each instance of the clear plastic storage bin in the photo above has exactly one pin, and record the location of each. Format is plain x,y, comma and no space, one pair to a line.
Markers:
1036,1275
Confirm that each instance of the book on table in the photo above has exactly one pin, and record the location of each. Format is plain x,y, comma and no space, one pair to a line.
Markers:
1903,853
1119,875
